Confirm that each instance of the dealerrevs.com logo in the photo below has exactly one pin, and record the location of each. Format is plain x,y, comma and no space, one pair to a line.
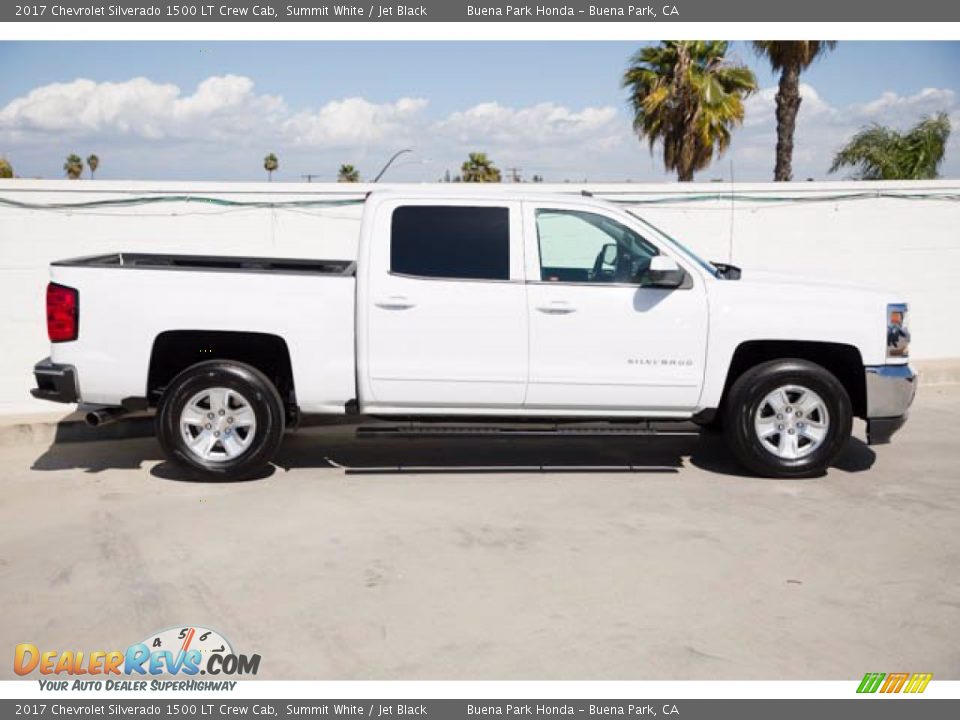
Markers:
178,651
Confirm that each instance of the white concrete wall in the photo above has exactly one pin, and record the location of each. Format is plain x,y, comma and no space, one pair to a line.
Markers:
909,245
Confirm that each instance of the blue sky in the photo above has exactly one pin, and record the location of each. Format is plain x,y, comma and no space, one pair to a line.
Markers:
553,108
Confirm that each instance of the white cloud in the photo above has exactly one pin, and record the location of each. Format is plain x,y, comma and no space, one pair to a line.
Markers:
544,124
353,122
227,106
760,107
223,126
221,107
227,112
224,107
928,100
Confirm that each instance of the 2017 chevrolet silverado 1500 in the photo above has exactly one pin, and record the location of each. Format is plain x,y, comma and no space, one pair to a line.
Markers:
467,309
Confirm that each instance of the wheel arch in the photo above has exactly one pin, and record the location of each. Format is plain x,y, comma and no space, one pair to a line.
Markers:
843,361
174,351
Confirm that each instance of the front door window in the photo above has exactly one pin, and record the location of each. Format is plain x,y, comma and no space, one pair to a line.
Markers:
584,247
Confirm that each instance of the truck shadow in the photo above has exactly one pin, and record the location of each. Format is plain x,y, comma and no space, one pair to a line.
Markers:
712,455
338,448
644,454
483,455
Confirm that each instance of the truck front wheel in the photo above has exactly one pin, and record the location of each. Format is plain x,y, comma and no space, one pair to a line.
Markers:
223,420
788,418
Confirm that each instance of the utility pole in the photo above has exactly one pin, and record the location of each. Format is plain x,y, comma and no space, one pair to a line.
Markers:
310,176
514,173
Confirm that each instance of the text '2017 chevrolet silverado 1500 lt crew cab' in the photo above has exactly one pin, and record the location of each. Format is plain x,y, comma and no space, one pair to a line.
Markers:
496,311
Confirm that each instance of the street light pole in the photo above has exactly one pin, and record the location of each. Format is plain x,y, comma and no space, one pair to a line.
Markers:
390,162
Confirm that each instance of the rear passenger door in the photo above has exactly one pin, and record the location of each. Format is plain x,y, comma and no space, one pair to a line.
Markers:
445,305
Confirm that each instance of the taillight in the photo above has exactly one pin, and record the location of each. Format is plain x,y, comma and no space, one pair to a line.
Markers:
63,313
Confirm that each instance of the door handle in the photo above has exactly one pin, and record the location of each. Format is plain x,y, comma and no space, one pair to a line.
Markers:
394,302
557,307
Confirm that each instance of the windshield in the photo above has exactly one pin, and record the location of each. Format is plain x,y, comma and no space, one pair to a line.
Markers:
710,268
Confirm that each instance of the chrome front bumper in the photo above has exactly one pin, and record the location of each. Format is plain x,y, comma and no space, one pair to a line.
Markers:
890,392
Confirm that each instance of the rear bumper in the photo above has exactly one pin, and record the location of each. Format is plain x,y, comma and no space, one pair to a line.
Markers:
890,392
57,383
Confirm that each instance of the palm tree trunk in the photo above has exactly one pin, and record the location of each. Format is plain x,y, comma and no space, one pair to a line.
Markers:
788,104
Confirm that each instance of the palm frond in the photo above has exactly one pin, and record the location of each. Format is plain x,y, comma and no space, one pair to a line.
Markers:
686,95
877,152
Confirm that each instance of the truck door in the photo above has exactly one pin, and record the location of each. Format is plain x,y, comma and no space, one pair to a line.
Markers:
600,339
445,323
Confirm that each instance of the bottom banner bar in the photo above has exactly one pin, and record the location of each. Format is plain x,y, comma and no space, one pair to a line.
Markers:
873,708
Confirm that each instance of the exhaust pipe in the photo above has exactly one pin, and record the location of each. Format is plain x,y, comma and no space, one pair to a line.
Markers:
98,417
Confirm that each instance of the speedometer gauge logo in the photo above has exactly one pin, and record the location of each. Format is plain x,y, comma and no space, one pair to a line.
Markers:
183,639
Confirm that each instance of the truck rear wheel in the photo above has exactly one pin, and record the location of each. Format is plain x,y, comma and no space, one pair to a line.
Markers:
223,420
788,418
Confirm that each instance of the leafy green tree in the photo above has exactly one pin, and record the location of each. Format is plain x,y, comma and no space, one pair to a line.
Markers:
6,169
348,174
271,164
93,162
478,168
790,58
73,166
687,95
881,153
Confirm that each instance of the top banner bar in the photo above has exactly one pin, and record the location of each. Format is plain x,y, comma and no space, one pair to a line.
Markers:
324,11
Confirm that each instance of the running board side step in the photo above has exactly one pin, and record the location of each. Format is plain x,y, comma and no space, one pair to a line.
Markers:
418,428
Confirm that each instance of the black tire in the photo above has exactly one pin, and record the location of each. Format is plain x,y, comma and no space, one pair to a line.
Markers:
743,404
262,398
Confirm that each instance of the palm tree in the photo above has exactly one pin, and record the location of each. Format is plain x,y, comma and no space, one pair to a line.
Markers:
480,169
348,174
271,163
73,166
93,162
6,169
790,58
882,153
687,95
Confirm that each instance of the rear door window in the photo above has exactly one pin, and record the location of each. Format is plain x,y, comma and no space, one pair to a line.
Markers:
451,241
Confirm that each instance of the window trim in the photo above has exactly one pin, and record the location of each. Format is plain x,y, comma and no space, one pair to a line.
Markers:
409,276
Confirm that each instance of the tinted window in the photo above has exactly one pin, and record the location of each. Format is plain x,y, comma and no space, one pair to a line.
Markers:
445,241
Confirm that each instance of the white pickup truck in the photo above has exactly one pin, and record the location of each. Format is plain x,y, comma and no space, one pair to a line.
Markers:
492,310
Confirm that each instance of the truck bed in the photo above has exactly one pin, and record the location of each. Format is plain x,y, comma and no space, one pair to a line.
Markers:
126,301
213,263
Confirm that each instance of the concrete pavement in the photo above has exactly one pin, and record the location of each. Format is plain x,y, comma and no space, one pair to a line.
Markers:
630,560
